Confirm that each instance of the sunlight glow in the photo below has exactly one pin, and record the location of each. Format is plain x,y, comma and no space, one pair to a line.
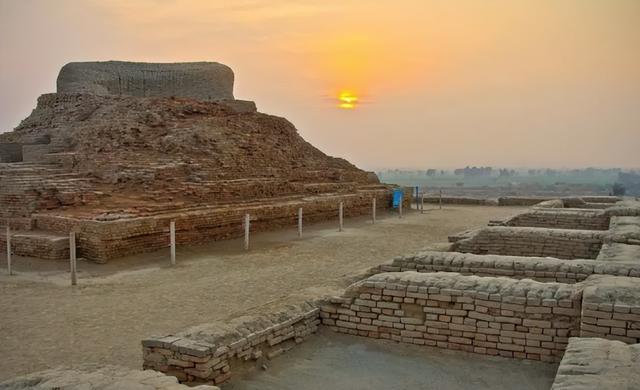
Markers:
347,99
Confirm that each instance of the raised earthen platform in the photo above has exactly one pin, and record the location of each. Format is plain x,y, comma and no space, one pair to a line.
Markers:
124,148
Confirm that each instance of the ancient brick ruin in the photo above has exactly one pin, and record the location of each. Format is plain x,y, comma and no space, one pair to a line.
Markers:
580,308
123,148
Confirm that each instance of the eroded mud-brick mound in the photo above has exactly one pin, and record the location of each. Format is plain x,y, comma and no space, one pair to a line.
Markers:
122,148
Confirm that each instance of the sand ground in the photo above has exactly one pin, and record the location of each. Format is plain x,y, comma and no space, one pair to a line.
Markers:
337,361
45,323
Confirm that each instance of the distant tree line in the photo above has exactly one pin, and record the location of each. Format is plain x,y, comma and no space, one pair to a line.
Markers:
473,171
628,183
487,171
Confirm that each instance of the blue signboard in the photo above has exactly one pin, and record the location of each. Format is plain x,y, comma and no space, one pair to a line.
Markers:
397,197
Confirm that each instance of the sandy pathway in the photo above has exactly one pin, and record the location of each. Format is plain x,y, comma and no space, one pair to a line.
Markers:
45,323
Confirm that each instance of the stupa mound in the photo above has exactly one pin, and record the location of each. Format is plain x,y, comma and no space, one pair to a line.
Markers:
116,165
196,80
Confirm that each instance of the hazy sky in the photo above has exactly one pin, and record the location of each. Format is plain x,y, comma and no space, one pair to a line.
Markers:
440,83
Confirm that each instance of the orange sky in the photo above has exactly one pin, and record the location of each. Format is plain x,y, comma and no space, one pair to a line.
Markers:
440,83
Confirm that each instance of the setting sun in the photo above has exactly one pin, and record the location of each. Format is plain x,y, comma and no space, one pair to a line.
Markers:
347,99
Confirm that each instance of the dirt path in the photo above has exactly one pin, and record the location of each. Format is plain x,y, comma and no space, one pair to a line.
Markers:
45,323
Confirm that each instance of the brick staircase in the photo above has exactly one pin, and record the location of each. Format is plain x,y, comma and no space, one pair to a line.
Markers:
28,187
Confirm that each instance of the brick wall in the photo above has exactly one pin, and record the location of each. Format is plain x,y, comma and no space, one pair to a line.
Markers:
530,241
212,352
543,269
10,152
495,316
102,240
594,363
456,200
40,245
521,200
625,230
561,219
611,309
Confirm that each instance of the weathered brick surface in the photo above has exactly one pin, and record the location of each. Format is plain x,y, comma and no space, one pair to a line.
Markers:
101,240
625,229
456,200
37,244
595,363
197,80
615,252
561,219
209,353
531,241
543,269
497,316
522,200
611,309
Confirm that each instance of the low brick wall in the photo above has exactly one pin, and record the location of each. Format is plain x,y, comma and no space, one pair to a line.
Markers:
542,269
531,241
495,316
33,244
617,252
210,353
521,200
561,219
100,241
601,199
594,363
611,309
625,230
550,204
625,208
547,201
458,200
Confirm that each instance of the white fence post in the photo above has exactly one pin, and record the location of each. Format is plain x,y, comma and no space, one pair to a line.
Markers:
247,222
373,211
72,257
340,216
172,241
300,222
9,250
